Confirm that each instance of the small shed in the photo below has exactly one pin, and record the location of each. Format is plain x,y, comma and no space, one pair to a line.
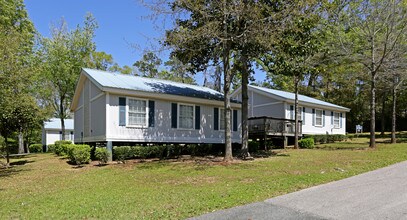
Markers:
52,131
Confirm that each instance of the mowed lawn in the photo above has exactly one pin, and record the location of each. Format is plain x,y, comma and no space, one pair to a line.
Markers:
45,186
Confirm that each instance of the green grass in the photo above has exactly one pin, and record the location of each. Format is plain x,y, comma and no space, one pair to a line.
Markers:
45,186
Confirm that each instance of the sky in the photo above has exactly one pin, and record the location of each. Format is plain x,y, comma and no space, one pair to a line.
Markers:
124,30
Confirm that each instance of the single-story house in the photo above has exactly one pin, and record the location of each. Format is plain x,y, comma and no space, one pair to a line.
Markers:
317,117
52,131
117,108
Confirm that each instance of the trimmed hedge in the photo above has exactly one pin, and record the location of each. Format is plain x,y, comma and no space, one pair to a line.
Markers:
102,155
51,148
123,153
78,154
327,138
61,147
35,148
306,143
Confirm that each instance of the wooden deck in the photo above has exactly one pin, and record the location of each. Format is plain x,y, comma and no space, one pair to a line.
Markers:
265,128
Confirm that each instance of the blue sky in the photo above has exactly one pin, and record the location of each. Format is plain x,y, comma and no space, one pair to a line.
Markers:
124,31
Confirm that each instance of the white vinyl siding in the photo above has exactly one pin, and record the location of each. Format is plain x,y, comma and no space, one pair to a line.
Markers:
318,117
221,119
186,116
137,112
336,119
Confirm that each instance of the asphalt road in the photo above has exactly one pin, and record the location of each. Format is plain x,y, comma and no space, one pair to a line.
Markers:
379,194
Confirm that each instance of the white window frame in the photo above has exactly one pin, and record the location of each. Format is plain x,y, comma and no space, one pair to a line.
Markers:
322,118
128,113
179,114
337,119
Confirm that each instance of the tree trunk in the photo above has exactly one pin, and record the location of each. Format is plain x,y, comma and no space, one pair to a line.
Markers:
382,118
20,142
372,143
226,87
63,128
393,117
296,128
7,151
226,90
245,108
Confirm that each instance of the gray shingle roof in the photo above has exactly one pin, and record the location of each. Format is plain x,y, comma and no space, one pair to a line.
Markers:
55,123
130,82
301,98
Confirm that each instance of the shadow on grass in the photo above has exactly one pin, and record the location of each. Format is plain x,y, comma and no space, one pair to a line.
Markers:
328,147
21,162
7,172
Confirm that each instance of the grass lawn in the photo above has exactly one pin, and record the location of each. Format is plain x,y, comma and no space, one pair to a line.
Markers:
45,186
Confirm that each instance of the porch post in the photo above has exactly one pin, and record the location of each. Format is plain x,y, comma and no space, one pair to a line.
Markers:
109,147
285,141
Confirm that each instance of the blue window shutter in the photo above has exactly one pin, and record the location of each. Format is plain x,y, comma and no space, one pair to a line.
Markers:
197,117
122,111
340,120
216,119
323,118
291,112
332,117
151,114
174,115
234,120
313,117
303,115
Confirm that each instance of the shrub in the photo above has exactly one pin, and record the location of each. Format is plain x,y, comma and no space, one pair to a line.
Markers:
254,146
51,148
78,154
102,155
155,151
35,148
306,143
61,147
122,153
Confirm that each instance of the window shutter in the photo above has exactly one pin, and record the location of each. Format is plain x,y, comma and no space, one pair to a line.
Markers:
234,120
216,119
340,120
174,115
197,117
291,112
332,117
122,111
151,110
313,117
323,118
303,115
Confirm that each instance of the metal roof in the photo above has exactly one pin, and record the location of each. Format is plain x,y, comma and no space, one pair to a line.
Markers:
301,98
55,123
130,82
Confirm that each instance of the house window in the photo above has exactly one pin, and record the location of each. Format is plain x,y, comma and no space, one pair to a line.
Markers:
221,119
137,112
336,120
186,116
318,117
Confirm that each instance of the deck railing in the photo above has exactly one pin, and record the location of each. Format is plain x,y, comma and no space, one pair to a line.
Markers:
273,126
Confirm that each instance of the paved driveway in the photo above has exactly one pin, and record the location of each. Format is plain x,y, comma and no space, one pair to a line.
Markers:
379,194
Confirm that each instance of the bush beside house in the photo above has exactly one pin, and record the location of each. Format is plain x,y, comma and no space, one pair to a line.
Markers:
35,148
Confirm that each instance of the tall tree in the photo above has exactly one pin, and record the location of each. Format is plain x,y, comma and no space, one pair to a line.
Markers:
371,32
17,108
178,71
64,54
294,51
148,65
